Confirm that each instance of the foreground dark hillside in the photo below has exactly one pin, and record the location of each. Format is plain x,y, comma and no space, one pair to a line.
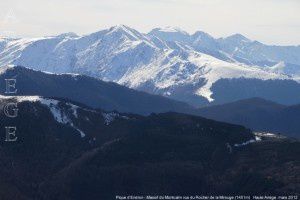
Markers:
67,151
129,167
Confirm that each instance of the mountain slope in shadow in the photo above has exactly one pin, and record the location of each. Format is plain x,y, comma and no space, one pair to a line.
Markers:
63,146
89,91
75,152
257,114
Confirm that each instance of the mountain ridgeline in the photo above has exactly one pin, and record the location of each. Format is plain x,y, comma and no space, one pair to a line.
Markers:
237,48
89,91
255,113
258,114
197,69
76,152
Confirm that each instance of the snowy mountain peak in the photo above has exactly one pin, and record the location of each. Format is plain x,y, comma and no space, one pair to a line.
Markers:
170,34
121,28
201,34
132,34
237,37
202,40
67,35
170,29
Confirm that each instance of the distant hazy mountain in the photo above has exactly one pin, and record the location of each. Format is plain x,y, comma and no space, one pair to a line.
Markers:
168,62
258,114
237,48
76,152
89,91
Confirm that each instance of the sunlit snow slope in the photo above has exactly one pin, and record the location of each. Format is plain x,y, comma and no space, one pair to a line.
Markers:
166,61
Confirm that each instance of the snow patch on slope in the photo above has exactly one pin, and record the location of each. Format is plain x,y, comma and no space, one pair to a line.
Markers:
58,114
258,138
278,68
245,143
177,68
110,117
218,69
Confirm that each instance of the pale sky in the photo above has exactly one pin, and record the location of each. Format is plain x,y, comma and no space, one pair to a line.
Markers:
268,21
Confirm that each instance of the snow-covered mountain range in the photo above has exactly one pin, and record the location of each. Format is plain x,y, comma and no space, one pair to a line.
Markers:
165,61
